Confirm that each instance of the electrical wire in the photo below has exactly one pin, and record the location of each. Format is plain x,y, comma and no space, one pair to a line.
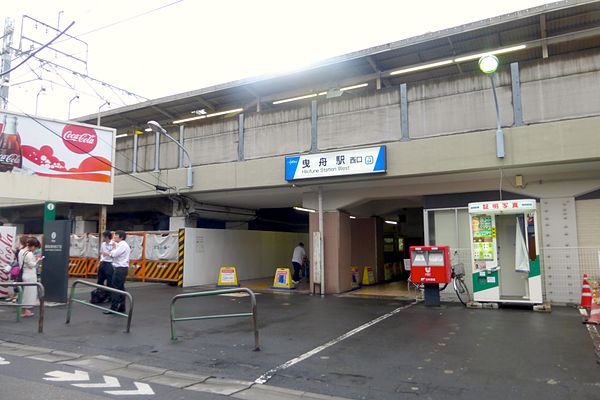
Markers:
125,20
38,50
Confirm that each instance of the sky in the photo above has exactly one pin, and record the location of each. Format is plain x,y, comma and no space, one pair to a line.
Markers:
155,48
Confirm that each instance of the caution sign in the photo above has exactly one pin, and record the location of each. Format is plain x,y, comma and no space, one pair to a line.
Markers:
283,279
228,277
368,276
355,283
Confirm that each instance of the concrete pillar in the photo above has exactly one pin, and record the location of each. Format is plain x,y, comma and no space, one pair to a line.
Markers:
337,249
81,226
176,223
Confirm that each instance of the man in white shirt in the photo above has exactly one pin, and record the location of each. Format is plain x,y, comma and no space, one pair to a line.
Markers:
105,270
298,260
120,261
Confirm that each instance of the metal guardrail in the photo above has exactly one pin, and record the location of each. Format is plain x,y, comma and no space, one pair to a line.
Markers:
215,293
72,300
18,304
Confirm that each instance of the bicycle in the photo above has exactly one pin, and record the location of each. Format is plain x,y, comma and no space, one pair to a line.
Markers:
458,283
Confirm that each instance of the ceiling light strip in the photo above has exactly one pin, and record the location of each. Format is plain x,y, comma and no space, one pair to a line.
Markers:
421,67
494,52
236,110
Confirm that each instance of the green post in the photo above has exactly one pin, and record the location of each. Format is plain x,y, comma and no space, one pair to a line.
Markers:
49,211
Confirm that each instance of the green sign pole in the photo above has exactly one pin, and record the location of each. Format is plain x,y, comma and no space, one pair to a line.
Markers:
49,211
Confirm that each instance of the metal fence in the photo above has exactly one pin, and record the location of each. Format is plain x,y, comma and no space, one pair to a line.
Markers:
563,269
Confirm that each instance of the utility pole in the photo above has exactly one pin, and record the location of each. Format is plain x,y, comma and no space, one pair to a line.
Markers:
6,57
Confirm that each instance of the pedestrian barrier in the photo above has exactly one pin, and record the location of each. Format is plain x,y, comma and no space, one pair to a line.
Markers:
72,300
215,293
155,256
19,304
78,266
161,271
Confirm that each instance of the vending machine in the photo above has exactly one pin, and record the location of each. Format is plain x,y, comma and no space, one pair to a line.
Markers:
505,252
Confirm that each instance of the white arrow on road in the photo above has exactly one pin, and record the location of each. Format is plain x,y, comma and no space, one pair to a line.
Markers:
142,388
109,382
3,361
62,376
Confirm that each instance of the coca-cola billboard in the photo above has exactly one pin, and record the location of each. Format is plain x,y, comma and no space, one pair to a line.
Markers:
55,149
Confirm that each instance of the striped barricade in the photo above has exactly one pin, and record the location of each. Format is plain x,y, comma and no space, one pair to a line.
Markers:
78,266
162,271
92,268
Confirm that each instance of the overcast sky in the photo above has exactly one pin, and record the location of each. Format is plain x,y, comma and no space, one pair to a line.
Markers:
190,44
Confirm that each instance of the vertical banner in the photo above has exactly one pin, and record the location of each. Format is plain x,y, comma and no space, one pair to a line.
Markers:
55,271
8,235
316,262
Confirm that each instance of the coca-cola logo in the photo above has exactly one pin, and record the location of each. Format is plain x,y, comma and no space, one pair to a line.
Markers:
79,139
10,159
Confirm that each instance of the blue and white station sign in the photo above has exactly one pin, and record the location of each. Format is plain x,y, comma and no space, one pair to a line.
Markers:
370,160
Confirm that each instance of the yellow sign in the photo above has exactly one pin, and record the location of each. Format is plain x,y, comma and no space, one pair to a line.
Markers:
283,279
228,277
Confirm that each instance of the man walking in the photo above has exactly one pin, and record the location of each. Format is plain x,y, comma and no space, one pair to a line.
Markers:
298,260
120,261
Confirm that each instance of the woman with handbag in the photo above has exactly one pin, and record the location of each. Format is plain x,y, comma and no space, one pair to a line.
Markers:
16,270
28,265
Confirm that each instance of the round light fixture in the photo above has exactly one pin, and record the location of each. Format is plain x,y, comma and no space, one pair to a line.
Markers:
488,64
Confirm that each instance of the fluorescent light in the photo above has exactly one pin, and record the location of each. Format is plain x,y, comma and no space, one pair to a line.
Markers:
421,67
307,96
391,222
148,129
352,217
121,135
236,110
498,51
360,85
310,210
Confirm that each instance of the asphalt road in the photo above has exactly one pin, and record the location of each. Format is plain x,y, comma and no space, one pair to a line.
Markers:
25,379
413,352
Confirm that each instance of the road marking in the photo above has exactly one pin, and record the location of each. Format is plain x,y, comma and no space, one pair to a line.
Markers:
4,361
264,378
109,382
62,376
142,389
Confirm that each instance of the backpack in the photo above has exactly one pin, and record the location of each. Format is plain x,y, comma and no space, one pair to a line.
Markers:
99,296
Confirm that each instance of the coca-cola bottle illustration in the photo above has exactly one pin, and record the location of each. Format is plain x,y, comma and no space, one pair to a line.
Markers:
10,146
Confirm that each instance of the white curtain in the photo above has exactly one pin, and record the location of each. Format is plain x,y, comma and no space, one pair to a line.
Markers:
521,253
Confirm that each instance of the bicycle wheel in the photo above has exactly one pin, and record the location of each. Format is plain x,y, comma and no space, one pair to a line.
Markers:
462,292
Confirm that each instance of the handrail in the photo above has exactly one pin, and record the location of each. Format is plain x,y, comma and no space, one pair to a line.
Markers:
214,293
106,288
18,304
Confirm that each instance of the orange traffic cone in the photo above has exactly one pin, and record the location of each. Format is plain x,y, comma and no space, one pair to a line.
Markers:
586,293
594,317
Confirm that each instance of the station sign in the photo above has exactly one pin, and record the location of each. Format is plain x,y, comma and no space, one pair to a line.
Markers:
369,160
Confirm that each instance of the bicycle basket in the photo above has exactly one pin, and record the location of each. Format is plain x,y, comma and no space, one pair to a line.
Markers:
459,269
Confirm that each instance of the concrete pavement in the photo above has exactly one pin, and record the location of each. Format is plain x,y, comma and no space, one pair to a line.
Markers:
346,347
